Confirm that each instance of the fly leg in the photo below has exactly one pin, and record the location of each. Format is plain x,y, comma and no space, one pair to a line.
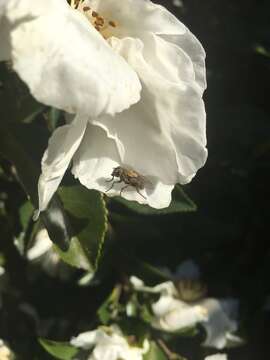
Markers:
110,179
138,191
123,188
115,182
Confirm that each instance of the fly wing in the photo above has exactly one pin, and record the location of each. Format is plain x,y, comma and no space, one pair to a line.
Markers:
147,183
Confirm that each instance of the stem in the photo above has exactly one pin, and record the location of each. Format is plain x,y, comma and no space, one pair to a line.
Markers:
166,350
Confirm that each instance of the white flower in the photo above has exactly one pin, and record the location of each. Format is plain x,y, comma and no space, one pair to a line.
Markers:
216,357
5,352
2,283
166,288
178,3
173,314
93,63
222,322
109,344
41,246
217,316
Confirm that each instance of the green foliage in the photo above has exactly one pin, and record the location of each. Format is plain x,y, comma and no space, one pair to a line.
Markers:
20,144
59,350
108,311
26,213
155,353
87,208
180,203
161,352
75,256
19,105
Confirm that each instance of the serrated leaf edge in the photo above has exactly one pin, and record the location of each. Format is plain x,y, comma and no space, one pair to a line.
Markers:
102,240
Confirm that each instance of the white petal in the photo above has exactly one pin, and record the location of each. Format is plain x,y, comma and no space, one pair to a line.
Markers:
5,352
164,134
173,314
65,62
2,3
86,340
62,146
136,16
194,49
95,159
166,287
217,357
109,345
2,271
164,305
106,352
136,282
221,321
94,162
42,245
167,59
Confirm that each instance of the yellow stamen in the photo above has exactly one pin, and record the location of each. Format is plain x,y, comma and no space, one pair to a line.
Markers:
101,24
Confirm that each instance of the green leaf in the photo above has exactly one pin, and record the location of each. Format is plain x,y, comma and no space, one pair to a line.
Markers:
22,145
155,353
89,210
25,214
17,104
109,309
59,350
26,221
180,203
75,255
259,49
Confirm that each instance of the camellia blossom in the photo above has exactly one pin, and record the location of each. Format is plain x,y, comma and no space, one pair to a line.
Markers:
134,77
108,343
217,316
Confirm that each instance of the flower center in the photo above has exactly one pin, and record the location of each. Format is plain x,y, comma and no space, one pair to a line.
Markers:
101,23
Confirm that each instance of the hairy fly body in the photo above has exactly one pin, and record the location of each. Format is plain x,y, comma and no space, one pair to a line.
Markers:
129,178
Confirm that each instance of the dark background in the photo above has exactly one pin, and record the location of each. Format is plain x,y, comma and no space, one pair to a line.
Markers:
229,234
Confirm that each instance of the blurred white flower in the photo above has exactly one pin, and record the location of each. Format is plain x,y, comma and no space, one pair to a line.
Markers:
43,253
108,343
222,322
172,314
5,352
217,316
42,245
166,288
216,357
2,283
178,3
